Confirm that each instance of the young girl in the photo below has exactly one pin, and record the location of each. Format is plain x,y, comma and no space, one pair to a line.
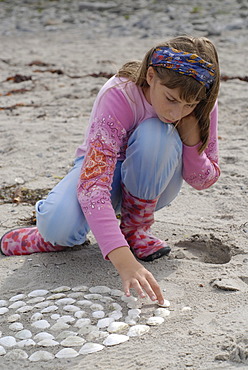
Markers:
152,125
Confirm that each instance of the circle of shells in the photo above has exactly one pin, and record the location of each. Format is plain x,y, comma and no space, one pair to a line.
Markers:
68,322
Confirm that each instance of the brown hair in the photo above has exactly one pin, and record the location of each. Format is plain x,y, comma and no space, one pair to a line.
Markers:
190,89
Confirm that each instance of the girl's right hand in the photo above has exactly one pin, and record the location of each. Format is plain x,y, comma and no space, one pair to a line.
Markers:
134,275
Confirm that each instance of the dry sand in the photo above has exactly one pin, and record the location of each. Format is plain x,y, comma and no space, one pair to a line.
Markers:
208,230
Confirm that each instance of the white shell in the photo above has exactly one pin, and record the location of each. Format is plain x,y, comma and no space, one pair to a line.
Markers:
8,341
80,314
2,351
66,318
67,353
82,322
104,323
71,308
97,334
93,296
98,314
24,334
165,304
75,295
41,324
96,307
86,329
84,303
24,309
129,299
41,356
80,288
17,297
134,313
61,289
163,312
73,341
65,334
155,320
90,348
116,293
130,321
35,300
56,296
116,315
116,327
48,343
59,326
16,326
3,303
14,317
38,293
26,343
115,306
65,301
137,330
3,310
114,339
43,304
17,304
16,354
186,308
50,309
55,316
43,335
101,289
36,316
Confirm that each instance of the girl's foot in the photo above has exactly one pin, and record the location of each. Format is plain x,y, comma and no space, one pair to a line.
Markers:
25,241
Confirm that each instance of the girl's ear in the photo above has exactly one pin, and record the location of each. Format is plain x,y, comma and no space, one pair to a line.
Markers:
150,75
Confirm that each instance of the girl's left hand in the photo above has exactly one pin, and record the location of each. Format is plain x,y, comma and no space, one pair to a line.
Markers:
189,130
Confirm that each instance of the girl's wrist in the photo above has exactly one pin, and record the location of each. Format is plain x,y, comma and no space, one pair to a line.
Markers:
122,257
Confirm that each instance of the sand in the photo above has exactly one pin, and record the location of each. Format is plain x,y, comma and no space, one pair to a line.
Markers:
207,230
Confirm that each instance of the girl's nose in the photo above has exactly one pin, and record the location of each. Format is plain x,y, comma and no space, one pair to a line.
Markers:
176,114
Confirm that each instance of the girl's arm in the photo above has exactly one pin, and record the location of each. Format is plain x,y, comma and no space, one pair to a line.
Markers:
200,170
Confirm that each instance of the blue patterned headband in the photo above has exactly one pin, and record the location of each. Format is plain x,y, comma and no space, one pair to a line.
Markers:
185,63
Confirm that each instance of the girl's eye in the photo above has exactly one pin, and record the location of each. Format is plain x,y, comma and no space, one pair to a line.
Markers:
171,100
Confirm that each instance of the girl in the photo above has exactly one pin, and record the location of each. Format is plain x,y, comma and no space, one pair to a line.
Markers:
152,125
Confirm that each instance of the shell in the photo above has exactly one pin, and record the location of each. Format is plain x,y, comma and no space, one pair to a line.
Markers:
101,289
138,330
25,309
130,321
41,356
94,296
66,318
134,313
17,304
82,322
90,348
84,303
16,326
16,354
75,295
36,316
24,334
14,317
8,341
2,351
41,324
80,288
186,309
116,315
43,335
129,299
35,300
86,329
97,334
49,309
98,314
42,305
104,323
67,353
71,308
3,310
96,307
163,312
73,341
79,314
116,293
3,303
17,297
155,320
64,334
60,326
26,343
38,293
165,304
114,339
116,327
48,343
65,301
56,296
61,289
55,316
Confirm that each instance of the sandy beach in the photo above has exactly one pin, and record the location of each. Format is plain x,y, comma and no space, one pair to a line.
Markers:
54,59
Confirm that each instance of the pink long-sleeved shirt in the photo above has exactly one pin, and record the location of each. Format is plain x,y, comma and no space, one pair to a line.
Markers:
118,109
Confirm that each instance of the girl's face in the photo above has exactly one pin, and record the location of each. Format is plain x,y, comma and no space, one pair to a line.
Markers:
166,102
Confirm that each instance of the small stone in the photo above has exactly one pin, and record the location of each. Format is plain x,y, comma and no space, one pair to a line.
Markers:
114,339
73,341
38,293
90,348
67,353
138,330
41,356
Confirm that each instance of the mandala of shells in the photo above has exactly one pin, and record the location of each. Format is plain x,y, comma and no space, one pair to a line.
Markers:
65,322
